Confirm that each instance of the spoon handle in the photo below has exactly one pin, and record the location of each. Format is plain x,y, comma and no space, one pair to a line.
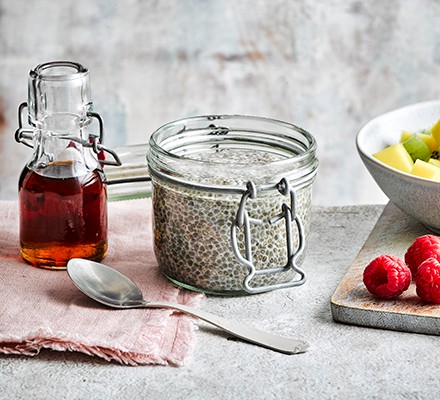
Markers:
240,330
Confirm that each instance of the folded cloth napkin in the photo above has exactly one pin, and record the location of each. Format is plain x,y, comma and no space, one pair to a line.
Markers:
43,309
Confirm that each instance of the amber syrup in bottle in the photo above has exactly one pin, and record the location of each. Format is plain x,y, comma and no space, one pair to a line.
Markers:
62,218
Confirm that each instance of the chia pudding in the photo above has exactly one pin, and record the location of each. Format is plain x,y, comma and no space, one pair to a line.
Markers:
193,212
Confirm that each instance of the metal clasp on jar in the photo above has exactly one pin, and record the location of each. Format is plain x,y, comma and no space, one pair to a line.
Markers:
289,215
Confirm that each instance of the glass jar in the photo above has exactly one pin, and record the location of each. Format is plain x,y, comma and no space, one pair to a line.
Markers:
231,202
62,189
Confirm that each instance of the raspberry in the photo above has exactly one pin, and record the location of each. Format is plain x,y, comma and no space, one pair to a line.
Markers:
423,248
428,281
387,276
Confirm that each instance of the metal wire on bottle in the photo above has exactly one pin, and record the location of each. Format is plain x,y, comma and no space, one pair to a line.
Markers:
25,136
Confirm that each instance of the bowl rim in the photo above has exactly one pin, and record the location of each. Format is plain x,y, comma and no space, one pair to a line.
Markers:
366,127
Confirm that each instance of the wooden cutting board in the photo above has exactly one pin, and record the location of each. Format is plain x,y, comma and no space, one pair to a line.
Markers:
351,303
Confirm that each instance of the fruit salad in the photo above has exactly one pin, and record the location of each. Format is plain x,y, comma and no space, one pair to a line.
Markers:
417,153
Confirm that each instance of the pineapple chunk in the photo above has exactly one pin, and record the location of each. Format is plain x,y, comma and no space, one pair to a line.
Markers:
426,137
426,170
429,140
435,162
396,156
435,132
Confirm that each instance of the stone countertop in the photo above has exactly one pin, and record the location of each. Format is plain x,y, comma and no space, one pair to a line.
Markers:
343,361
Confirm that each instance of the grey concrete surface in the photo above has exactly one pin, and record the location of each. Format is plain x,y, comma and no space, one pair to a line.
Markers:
343,362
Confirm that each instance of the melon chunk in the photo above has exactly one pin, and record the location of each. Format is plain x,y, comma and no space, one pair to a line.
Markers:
426,170
396,156
435,162
405,136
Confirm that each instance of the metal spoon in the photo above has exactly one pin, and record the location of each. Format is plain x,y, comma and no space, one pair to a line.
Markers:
113,289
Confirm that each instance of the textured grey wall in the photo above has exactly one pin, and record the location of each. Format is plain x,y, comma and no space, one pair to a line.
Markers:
328,66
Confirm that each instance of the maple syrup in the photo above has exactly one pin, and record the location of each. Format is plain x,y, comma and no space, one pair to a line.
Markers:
63,218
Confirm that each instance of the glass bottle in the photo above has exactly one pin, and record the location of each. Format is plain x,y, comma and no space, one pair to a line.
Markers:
62,189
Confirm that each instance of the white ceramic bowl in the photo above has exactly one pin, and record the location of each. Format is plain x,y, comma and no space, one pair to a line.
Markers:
416,196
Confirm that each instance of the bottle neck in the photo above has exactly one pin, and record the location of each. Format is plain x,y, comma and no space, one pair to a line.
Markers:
58,87
60,109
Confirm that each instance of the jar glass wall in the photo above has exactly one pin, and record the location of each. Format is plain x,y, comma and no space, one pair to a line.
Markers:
201,169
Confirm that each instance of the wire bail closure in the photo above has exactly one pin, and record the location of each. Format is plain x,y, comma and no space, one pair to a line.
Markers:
25,136
244,221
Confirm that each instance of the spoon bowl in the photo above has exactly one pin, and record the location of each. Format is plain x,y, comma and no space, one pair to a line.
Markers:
104,284
110,287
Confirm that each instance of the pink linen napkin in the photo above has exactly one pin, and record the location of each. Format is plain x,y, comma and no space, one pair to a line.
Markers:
43,309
